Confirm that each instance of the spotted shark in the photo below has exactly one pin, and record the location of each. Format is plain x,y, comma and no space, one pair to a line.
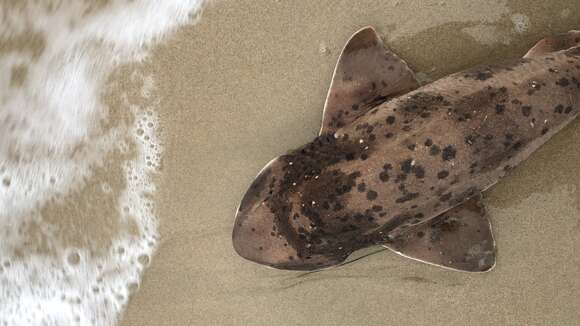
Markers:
404,166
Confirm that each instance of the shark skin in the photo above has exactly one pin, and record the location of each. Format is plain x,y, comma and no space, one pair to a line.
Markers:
404,166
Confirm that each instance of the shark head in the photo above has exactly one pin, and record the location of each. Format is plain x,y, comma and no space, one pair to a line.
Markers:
298,212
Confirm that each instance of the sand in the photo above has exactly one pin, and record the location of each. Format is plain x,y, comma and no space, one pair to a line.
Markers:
248,82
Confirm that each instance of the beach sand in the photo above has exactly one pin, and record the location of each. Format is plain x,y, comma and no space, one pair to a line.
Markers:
248,82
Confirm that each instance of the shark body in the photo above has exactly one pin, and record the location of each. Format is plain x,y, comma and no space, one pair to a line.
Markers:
404,166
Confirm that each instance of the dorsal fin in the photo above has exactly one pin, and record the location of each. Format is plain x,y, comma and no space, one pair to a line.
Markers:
555,43
459,239
366,73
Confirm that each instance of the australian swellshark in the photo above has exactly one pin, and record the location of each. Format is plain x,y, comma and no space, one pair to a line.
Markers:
404,166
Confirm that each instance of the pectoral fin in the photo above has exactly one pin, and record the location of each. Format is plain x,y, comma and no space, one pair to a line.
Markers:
459,239
366,74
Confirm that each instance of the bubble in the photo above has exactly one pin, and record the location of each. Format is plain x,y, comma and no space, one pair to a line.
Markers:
6,182
323,49
140,132
133,287
74,258
521,22
106,188
143,260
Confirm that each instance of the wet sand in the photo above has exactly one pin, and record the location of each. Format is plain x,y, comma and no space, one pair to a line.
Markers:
248,82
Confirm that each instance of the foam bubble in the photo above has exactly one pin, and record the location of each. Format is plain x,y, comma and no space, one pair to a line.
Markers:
56,268
521,23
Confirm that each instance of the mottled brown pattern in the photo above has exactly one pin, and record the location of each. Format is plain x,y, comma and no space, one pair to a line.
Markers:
404,162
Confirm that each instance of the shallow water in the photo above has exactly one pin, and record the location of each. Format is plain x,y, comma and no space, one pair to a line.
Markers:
78,153
248,82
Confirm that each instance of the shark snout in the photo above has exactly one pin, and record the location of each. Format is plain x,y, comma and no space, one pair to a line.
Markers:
256,238
255,235
259,243
263,232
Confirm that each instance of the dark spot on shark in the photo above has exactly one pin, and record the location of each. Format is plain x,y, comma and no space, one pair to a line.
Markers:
389,135
407,197
559,108
401,177
372,195
563,82
545,130
499,108
443,174
419,171
576,82
568,109
526,110
390,119
384,176
434,150
361,187
448,153
428,142
411,147
406,128
377,208
407,166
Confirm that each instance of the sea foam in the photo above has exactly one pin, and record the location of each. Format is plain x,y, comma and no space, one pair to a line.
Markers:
56,132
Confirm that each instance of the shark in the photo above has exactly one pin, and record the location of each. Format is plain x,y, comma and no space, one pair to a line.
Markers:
404,165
